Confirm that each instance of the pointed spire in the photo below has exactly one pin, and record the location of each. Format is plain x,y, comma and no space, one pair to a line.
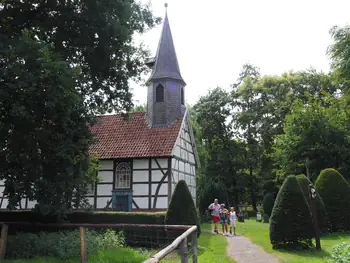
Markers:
166,64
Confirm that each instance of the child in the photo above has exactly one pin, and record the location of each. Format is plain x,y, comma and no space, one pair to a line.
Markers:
223,214
233,220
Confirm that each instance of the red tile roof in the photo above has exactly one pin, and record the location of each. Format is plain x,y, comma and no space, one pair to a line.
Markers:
117,137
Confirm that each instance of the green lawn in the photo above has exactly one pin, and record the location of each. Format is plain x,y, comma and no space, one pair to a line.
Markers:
211,248
258,233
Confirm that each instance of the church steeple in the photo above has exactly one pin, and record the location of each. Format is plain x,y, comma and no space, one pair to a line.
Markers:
165,62
165,99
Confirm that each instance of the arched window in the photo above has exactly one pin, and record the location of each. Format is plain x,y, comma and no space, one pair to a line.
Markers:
159,93
182,97
123,175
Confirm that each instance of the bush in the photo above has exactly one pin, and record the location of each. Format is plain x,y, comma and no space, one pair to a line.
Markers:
268,203
341,253
291,222
181,210
134,236
63,245
335,192
323,223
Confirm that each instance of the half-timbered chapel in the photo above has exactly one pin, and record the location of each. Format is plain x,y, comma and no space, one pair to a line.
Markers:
142,157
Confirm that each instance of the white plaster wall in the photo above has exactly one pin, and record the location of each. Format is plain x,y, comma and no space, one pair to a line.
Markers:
106,164
140,164
106,176
140,189
104,189
142,202
157,175
162,202
163,162
163,190
140,176
102,202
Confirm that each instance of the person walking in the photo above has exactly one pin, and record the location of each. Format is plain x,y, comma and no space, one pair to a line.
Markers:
233,218
214,208
224,216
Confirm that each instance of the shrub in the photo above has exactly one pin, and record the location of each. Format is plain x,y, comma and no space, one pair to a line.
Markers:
134,236
341,253
181,210
335,192
268,203
323,223
291,222
270,187
63,245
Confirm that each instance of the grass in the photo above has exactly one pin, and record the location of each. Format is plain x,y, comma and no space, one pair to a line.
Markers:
258,233
211,248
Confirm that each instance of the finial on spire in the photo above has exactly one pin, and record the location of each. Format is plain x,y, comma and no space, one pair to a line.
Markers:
166,5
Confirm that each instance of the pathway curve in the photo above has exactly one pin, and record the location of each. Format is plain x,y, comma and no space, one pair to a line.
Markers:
242,250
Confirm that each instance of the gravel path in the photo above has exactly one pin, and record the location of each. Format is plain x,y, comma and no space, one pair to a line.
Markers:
242,250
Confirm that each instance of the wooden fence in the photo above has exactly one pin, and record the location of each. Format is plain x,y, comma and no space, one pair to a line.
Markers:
83,254
180,242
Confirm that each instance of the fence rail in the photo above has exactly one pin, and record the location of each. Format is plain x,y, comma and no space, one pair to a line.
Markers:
180,242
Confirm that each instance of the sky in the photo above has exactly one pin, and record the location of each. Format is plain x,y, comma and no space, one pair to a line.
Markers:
213,39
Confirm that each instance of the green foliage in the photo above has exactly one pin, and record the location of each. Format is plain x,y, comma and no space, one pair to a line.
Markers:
335,192
93,35
63,245
323,222
315,137
268,203
341,253
291,221
182,210
44,126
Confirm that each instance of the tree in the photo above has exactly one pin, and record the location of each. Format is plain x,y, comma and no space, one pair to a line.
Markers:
268,203
291,221
315,136
221,156
96,36
246,117
323,223
182,210
44,127
335,192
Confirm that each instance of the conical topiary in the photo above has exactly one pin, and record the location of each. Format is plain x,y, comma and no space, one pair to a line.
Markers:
323,223
268,202
182,210
335,193
291,222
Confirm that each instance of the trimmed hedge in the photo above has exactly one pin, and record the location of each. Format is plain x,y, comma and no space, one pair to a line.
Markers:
150,237
323,223
335,192
181,210
291,222
268,203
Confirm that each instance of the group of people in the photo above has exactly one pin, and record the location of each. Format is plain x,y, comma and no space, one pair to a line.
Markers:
220,214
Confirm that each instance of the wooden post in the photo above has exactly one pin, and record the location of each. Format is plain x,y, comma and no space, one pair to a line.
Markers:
82,245
194,247
184,251
3,241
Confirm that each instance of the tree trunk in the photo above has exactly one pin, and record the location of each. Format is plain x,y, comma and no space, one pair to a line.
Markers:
252,193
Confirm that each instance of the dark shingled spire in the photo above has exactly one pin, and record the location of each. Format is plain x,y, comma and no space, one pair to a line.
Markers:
165,62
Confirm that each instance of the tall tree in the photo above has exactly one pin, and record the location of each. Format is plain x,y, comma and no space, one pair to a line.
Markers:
247,105
95,35
44,127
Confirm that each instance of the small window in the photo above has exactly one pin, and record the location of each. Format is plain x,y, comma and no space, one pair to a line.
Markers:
159,93
182,97
123,176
